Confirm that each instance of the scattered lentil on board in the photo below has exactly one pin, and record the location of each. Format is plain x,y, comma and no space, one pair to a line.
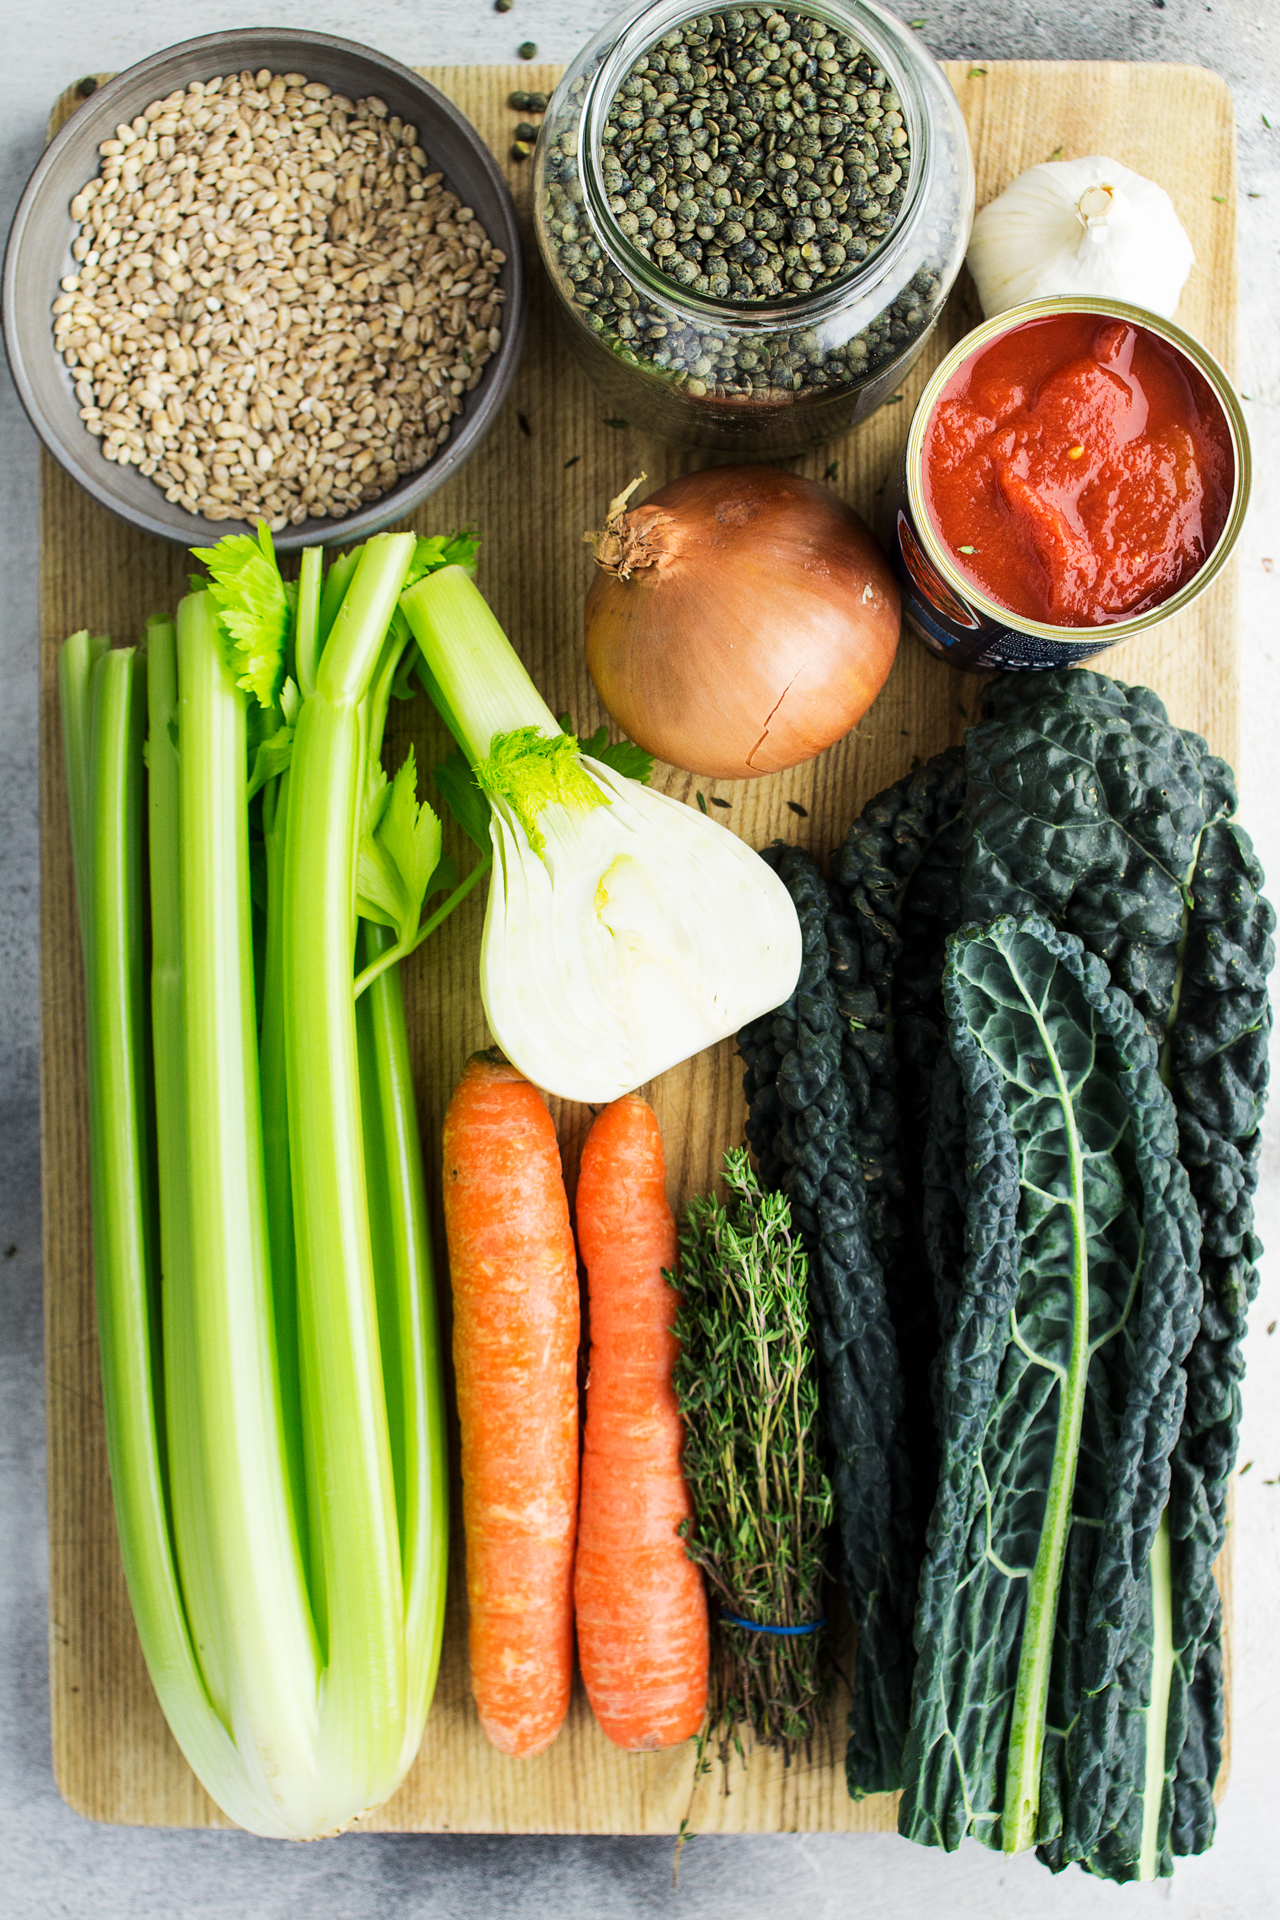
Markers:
279,307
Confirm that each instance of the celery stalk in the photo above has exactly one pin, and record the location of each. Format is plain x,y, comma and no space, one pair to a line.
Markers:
356,1542
237,1533
271,1362
180,1359
76,662
408,1330
106,792
341,569
275,1152
306,645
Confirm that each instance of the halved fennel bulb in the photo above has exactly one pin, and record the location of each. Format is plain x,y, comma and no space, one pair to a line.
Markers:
624,932
641,934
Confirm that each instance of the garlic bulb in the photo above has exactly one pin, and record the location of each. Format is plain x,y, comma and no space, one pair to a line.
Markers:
1089,227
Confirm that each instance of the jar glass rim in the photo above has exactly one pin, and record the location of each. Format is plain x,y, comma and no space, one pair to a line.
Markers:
880,32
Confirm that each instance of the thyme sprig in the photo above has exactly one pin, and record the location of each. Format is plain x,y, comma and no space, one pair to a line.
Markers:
762,1503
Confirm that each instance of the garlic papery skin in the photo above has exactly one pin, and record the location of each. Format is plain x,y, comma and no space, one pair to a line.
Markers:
1090,228
640,934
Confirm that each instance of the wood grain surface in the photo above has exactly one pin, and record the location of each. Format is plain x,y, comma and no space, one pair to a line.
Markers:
545,474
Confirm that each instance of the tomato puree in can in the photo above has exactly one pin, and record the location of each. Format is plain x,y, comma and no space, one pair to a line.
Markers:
1078,470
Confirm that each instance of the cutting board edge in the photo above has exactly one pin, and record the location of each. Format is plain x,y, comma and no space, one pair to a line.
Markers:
105,1807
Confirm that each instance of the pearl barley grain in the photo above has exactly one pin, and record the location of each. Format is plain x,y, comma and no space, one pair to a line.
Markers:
278,309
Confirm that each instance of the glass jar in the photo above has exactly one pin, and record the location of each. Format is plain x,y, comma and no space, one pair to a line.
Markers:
736,374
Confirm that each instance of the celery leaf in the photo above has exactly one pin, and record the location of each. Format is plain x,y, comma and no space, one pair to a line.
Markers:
253,609
272,757
410,831
446,876
399,852
443,550
270,744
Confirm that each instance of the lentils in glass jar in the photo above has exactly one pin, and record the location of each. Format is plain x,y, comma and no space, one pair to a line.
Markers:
752,218
755,155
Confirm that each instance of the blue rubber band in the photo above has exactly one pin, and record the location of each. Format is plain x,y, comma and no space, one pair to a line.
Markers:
757,1626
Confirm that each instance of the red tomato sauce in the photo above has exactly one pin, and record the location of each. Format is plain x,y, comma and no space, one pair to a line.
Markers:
1078,470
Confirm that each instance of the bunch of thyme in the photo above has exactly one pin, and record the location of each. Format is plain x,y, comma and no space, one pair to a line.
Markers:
762,1503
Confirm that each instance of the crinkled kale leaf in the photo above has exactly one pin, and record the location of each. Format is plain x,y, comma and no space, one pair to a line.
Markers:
804,1125
1086,801
1075,799
1062,1385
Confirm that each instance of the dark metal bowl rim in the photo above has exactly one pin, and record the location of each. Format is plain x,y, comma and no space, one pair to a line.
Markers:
233,52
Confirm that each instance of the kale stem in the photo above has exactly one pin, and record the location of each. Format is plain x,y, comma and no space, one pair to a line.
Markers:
1020,1816
1162,1664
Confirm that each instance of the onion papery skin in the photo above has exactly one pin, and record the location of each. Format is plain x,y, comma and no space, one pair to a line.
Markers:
742,620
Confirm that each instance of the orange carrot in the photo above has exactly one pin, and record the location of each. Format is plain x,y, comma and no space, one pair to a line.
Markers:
640,1604
515,1351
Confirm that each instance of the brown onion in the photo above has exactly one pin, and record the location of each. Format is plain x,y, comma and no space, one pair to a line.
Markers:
742,620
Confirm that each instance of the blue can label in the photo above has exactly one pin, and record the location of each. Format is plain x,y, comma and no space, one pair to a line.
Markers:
942,620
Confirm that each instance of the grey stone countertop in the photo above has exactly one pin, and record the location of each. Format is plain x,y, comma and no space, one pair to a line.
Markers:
54,1863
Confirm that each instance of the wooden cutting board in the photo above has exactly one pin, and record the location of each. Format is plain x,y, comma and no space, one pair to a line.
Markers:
545,473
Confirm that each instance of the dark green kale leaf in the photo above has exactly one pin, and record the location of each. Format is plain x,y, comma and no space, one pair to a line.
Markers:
825,1077
1062,1385
1084,800
896,885
801,1125
1217,1068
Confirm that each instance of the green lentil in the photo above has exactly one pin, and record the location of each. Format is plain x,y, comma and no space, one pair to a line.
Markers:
792,107
528,49
525,131
748,159
518,100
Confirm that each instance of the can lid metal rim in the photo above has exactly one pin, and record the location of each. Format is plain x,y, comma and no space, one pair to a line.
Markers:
1007,322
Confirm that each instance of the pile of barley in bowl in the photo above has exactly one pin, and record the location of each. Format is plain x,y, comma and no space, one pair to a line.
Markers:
278,306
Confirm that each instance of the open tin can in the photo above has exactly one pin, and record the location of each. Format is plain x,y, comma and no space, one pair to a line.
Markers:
943,608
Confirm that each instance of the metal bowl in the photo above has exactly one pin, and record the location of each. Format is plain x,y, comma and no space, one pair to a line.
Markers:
39,254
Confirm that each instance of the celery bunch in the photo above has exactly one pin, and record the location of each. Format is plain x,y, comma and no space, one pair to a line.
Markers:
270,1360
